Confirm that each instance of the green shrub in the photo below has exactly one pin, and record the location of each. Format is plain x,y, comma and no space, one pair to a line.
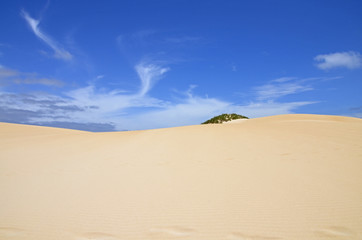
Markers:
224,118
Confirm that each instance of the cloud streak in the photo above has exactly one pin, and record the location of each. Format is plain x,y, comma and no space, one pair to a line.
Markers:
59,52
6,72
351,60
10,76
149,74
40,81
272,91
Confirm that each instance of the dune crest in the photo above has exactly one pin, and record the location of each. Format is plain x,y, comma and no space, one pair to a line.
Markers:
292,177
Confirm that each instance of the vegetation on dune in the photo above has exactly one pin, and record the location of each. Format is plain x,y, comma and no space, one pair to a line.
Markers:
224,118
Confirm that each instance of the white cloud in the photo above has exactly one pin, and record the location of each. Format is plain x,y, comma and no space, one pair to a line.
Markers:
128,112
268,108
108,109
279,88
59,52
194,110
188,111
149,74
283,79
349,60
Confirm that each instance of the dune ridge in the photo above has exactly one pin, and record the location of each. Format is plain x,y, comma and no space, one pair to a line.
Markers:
294,177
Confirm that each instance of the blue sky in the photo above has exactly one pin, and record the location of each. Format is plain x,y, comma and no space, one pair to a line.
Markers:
130,65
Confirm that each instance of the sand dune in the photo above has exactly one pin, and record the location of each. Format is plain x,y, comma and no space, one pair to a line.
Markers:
235,121
295,177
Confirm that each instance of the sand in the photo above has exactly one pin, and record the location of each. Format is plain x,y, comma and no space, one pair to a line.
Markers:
295,177
235,121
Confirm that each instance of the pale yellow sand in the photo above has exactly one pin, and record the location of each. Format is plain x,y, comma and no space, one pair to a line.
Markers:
293,177
235,121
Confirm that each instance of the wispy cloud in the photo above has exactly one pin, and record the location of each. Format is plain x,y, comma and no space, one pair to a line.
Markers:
182,39
349,60
283,79
6,72
40,81
155,45
149,74
281,87
94,109
137,39
234,68
10,76
268,108
84,107
59,52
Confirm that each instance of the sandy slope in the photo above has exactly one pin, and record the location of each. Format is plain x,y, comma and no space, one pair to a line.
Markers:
295,177
235,121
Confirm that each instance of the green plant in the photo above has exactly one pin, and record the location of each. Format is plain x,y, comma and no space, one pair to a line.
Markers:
224,118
